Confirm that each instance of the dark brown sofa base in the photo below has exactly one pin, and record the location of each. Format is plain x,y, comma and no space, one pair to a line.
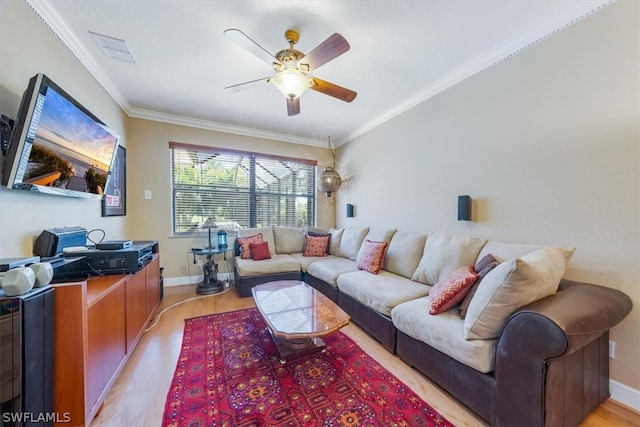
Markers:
377,325
244,284
330,291
464,383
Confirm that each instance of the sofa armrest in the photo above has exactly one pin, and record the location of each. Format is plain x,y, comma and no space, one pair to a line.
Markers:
581,311
570,321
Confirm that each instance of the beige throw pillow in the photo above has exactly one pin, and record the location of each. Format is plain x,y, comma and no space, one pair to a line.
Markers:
443,254
512,285
352,239
289,240
334,242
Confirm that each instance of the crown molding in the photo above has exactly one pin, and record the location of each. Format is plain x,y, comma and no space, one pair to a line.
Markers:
222,127
566,16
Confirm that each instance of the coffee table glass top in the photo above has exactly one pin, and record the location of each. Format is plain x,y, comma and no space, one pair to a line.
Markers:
294,310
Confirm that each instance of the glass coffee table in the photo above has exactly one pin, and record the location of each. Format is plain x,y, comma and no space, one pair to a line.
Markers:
297,315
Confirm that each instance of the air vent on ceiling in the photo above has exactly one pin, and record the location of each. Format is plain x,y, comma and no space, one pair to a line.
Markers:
114,48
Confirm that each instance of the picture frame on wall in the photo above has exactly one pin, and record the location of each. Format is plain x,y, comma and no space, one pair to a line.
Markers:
114,202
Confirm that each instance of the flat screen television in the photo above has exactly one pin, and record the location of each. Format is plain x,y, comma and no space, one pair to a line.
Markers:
57,146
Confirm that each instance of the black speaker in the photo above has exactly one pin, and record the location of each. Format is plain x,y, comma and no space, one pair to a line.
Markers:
349,210
464,208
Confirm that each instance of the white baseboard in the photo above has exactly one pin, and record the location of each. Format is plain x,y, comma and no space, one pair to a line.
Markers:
193,280
625,394
619,392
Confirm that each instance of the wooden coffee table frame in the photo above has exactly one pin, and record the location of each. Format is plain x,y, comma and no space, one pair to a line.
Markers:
297,316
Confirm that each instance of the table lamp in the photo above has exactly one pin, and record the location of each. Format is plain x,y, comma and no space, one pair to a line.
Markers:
209,224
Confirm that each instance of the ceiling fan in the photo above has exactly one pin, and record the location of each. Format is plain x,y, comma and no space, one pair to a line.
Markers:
291,67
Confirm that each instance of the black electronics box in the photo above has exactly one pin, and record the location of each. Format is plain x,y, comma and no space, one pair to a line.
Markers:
53,241
111,245
117,261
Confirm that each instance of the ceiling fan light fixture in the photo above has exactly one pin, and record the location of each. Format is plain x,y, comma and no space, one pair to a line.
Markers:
291,83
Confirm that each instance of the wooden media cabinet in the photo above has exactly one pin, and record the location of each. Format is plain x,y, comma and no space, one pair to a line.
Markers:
98,323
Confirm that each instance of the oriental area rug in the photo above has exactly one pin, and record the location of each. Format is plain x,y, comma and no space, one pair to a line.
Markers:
229,374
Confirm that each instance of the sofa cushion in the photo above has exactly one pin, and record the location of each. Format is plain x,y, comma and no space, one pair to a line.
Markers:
316,246
288,240
328,269
451,289
267,236
245,244
380,292
371,255
306,261
377,235
334,242
504,251
444,333
443,254
404,253
351,241
510,286
259,251
276,264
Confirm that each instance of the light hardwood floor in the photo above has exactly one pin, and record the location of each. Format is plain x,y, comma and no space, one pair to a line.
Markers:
138,396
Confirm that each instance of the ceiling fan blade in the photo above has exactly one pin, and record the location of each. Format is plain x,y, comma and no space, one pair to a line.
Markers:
247,42
334,90
293,106
329,49
247,85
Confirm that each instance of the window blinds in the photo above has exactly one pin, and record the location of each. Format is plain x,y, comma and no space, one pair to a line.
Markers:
239,189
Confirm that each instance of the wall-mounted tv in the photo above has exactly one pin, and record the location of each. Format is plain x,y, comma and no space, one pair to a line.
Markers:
57,146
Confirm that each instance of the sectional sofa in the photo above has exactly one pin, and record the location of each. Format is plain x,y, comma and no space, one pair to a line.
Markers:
528,347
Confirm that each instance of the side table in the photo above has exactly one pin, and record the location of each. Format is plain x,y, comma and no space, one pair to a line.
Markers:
210,283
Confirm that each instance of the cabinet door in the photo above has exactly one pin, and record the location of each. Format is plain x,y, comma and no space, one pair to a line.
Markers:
153,285
136,307
37,357
106,338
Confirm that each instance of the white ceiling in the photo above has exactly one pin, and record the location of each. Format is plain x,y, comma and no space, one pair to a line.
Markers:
402,52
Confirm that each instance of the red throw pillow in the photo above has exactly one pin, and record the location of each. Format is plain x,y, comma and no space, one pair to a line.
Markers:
243,242
371,256
316,245
451,289
259,251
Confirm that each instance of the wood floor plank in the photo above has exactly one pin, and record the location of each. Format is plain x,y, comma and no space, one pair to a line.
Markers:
138,396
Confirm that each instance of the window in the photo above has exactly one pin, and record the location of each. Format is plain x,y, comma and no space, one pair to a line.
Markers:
239,189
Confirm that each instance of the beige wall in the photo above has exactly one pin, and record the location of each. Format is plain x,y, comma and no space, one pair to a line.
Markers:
27,47
149,168
547,145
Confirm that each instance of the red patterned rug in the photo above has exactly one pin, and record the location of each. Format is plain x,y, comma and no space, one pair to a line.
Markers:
229,374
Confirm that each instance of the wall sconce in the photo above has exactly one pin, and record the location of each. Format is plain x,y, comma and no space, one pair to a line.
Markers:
464,208
349,210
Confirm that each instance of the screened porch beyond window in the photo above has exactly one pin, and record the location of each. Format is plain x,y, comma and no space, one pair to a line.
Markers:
239,189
